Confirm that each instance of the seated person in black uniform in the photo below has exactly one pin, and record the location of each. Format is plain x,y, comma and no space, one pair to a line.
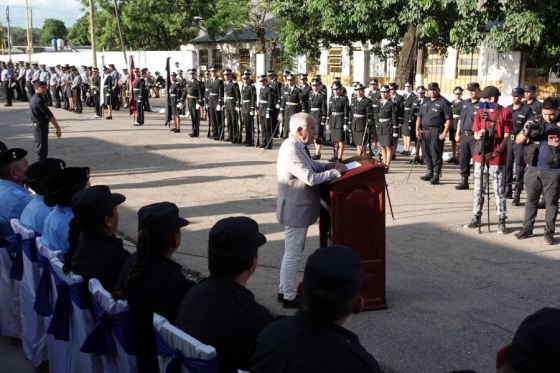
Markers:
314,340
150,280
94,251
220,311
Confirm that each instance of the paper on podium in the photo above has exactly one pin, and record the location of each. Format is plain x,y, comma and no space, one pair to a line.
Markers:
352,165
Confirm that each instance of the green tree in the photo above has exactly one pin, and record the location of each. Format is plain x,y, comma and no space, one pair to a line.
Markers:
52,28
78,34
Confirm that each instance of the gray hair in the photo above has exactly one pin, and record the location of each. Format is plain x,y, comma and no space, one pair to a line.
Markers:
300,120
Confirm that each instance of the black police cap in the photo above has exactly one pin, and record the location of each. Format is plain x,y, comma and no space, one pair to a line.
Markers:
393,86
384,88
332,274
262,77
67,178
336,85
236,237
373,82
531,88
458,90
517,91
161,216
535,343
95,202
432,86
359,86
473,86
41,84
12,155
44,169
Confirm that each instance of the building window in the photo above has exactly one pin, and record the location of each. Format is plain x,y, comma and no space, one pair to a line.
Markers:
334,61
244,59
217,57
467,64
203,59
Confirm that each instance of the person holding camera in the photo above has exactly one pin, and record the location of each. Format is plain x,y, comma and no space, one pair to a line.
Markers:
542,175
492,126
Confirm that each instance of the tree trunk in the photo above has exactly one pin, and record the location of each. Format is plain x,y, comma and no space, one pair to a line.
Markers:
407,57
261,41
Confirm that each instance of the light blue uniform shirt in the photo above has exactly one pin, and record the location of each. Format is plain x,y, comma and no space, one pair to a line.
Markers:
13,199
55,229
35,214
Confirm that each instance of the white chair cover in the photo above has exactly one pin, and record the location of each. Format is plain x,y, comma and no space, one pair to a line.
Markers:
71,319
113,322
10,318
32,325
176,347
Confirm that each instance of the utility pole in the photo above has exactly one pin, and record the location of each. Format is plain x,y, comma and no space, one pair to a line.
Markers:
29,32
120,32
92,32
31,26
9,35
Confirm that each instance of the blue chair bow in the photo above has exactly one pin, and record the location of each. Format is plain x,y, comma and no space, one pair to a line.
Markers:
43,304
178,358
100,341
16,273
60,321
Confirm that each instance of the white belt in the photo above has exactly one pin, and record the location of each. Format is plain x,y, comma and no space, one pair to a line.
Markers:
407,108
336,113
384,119
292,103
456,115
359,116
246,100
263,102
315,108
230,98
189,96
213,94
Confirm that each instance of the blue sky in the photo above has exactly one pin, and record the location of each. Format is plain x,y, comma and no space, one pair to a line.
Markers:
67,11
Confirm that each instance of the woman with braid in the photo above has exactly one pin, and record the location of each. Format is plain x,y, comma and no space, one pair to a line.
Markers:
95,252
150,280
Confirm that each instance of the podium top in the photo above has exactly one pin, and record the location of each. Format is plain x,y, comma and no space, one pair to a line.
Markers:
366,165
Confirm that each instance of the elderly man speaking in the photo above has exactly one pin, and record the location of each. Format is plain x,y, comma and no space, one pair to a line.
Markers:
298,203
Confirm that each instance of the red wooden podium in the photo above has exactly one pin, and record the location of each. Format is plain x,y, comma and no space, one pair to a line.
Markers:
353,215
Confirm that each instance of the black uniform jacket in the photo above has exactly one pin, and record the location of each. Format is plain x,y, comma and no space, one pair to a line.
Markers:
300,344
160,289
100,257
225,315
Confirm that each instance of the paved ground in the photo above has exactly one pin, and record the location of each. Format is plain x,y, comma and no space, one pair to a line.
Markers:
455,297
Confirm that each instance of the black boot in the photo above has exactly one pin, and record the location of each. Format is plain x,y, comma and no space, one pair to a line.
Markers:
509,192
435,179
516,198
464,184
429,175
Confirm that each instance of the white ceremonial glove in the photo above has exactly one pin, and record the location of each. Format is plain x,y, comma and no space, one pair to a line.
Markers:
395,135
197,106
252,113
345,127
328,128
267,116
218,108
179,106
277,106
237,108
280,116
87,94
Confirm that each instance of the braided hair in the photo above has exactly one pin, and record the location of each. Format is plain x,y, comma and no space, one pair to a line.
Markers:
150,243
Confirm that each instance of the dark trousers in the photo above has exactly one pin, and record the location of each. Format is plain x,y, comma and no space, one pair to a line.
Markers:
215,118
8,91
432,147
96,103
289,110
191,102
266,129
274,122
140,111
20,88
55,96
466,153
249,128
76,94
41,135
30,89
546,182
514,157
232,120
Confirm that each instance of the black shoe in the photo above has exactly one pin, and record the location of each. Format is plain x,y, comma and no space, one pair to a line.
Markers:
333,159
249,144
8,105
262,146
193,135
269,146
474,223
429,175
523,233
316,157
549,238
435,179
109,118
464,184
502,226
291,304
516,200
280,298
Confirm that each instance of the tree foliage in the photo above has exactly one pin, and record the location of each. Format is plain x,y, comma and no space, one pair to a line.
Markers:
52,28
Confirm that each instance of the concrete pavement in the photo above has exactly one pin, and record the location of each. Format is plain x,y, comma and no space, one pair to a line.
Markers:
455,297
